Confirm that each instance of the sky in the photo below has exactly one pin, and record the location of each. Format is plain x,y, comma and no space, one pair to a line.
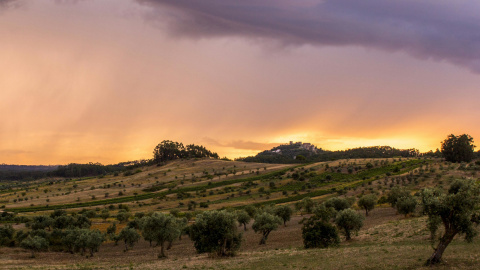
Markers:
107,80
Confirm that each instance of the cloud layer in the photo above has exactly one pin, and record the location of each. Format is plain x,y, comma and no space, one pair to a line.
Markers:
442,30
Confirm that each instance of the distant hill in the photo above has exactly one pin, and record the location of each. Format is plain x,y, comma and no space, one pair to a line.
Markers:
22,172
305,152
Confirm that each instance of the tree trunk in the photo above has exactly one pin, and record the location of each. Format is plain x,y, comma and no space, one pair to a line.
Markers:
284,223
444,242
162,251
126,247
224,247
263,241
366,212
170,244
245,226
347,234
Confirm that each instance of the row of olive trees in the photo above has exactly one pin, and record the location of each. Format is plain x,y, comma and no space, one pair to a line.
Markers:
59,231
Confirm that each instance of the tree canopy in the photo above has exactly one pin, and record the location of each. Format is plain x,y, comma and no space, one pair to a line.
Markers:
458,148
170,150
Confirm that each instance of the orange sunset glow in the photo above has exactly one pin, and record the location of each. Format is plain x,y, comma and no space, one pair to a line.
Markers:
106,81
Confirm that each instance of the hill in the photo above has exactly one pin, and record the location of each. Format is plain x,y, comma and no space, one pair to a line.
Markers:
188,187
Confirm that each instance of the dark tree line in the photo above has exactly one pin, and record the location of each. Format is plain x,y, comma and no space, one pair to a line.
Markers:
291,154
170,150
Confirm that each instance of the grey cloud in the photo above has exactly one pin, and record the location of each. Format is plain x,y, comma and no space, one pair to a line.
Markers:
442,30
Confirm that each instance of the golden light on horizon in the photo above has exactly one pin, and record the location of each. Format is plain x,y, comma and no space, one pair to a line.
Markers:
106,81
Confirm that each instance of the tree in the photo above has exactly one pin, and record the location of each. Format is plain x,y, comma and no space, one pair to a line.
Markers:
350,221
251,210
306,203
457,210
34,244
6,235
216,231
406,205
338,203
160,228
284,212
82,222
167,150
458,148
324,213
105,214
368,203
265,223
123,216
129,236
70,239
317,233
41,222
63,222
243,218
88,240
395,194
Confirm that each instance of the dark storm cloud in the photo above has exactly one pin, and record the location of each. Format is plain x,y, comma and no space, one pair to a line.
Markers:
431,29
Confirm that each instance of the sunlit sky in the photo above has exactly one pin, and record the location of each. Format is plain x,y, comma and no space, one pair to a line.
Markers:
107,80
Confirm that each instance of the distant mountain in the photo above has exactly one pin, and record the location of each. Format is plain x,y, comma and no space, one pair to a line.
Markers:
306,152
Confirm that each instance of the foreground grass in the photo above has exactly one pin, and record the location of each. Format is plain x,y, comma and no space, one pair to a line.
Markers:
407,255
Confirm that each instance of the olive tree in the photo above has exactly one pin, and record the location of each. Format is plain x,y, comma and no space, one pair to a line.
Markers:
243,218
367,202
160,228
349,221
337,203
34,244
216,231
130,236
318,233
6,235
395,194
406,205
88,240
265,223
284,212
457,210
